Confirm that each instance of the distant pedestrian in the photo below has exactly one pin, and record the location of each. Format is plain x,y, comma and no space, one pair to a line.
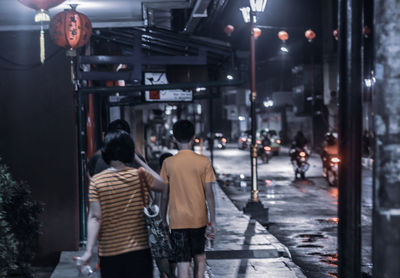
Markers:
166,266
96,163
300,140
116,212
163,157
190,177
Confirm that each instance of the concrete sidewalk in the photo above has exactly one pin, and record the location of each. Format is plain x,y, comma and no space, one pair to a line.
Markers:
243,249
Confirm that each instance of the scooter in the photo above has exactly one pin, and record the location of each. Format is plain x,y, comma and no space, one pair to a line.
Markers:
264,152
299,159
221,143
330,164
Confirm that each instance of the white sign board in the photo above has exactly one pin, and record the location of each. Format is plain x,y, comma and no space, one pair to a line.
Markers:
175,95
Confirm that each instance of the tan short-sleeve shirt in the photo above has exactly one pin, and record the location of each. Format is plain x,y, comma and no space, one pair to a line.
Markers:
187,173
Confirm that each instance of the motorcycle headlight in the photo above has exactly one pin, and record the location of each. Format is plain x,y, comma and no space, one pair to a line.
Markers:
267,148
302,154
335,160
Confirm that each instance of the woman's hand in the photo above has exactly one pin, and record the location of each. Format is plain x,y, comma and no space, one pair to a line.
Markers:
86,257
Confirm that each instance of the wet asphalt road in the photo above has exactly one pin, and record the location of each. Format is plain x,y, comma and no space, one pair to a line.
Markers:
302,213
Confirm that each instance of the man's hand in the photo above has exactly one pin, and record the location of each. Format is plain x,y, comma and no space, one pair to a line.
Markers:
211,231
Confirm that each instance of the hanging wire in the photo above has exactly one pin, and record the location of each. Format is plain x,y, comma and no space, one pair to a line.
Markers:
14,66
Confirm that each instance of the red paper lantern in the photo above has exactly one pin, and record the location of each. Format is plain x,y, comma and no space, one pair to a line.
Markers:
310,35
70,29
336,34
229,29
283,36
256,32
41,4
42,15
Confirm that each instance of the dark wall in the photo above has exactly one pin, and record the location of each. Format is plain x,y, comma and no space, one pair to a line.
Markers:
37,134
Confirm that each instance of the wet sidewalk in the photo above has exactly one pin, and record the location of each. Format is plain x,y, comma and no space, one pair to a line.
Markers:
243,249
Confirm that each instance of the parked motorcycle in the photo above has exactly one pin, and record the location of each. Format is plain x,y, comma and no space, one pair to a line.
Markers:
299,159
330,164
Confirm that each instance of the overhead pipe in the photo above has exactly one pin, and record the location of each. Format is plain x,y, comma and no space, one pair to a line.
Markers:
199,11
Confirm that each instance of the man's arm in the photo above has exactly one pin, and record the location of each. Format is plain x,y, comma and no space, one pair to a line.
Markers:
211,207
94,221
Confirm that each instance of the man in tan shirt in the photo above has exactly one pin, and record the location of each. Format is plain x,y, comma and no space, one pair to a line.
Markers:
190,177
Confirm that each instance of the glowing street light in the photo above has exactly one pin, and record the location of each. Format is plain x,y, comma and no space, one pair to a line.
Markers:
258,6
284,49
268,103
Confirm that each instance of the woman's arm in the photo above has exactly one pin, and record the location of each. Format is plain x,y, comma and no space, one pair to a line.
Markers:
94,221
158,183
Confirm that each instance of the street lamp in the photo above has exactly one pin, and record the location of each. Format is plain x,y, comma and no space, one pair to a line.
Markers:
249,16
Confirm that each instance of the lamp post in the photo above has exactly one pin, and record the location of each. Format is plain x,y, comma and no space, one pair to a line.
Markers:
249,16
253,95
254,206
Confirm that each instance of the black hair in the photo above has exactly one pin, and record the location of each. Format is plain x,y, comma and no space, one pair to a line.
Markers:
163,157
183,131
118,145
119,124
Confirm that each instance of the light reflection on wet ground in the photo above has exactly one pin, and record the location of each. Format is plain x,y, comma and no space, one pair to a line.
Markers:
303,213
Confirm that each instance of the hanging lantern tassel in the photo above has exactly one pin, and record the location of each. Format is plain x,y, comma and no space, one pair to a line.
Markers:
72,69
42,16
42,47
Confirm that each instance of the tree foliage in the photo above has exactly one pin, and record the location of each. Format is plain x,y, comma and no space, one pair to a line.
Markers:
19,225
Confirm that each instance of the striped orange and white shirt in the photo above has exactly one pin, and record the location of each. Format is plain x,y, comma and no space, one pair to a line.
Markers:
122,222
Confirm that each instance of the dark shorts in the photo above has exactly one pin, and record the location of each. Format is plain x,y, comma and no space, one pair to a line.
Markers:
187,243
127,265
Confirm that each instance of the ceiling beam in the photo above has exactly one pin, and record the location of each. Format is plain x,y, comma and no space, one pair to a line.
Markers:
95,24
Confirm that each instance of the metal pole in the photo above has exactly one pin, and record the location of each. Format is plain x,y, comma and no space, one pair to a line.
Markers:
81,162
350,124
253,94
91,143
386,241
211,139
